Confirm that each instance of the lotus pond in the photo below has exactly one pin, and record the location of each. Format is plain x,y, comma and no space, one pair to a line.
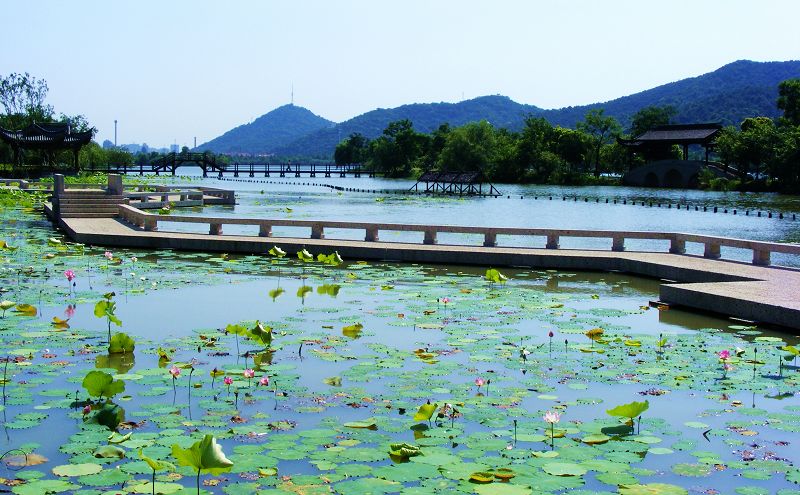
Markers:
269,374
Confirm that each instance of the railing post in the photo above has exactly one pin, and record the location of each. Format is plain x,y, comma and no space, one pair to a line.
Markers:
150,224
712,250
552,241
490,239
761,257
317,231
58,191
114,184
618,243
677,246
264,230
372,234
215,228
430,237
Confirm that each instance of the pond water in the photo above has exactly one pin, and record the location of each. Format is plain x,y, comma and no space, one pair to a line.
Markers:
357,349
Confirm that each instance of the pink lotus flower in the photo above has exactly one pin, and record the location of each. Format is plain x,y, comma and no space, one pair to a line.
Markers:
480,382
87,409
227,380
551,417
724,354
249,373
445,300
550,334
264,381
175,371
70,311
70,275
108,255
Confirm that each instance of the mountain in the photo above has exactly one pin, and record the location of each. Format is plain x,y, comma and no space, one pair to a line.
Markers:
501,111
728,95
267,133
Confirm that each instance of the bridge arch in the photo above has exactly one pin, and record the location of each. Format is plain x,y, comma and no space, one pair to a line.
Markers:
673,178
651,180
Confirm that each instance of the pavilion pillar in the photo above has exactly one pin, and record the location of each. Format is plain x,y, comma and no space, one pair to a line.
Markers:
685,151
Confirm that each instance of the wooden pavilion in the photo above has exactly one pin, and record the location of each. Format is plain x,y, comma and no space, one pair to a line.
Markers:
657,143
49,138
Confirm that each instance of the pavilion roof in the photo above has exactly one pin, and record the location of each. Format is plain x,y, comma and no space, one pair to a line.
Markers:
50,135
677,134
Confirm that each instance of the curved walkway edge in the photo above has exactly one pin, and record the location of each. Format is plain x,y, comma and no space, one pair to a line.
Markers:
768,295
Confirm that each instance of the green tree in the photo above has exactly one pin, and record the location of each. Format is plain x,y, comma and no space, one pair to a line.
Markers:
758,142
470,147
785,166
398,149
601,130
789,100
351,150
572,146
650,117
23,94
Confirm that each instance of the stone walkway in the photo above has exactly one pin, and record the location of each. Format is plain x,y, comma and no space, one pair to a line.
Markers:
761,294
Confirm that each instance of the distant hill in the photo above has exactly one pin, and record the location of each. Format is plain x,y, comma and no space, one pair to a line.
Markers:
267,133
729,95
501,111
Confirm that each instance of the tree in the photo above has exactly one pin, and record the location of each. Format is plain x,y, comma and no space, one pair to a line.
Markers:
23,94
789,100
571,145
398,149
601,130
351,150
469,147
650,117
758,142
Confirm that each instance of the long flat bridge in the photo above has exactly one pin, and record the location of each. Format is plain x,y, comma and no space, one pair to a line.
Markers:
209,164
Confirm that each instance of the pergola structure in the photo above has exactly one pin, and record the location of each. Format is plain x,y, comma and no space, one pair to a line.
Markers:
49,138
460,183
656,143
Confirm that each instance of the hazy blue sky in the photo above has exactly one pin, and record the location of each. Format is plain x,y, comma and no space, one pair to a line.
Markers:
171,70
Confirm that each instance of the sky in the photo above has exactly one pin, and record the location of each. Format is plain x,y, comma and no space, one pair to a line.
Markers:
170,71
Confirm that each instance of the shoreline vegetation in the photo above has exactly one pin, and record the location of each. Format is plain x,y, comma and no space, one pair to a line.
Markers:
763,152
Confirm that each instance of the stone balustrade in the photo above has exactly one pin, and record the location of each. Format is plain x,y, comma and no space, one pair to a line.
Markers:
677,241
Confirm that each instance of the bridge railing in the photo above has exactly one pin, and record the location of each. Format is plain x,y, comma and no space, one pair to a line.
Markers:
677,241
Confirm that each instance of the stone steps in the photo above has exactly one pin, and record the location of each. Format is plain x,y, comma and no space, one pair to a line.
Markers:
89,204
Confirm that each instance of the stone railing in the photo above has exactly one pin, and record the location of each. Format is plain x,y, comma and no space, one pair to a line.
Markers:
712,245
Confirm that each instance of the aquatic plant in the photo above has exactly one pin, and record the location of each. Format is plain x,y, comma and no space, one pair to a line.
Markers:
206,456
551,418
101,384
106,308
262,334
425,412
6,305
174,372
121,343
155,465
495,277
631,411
